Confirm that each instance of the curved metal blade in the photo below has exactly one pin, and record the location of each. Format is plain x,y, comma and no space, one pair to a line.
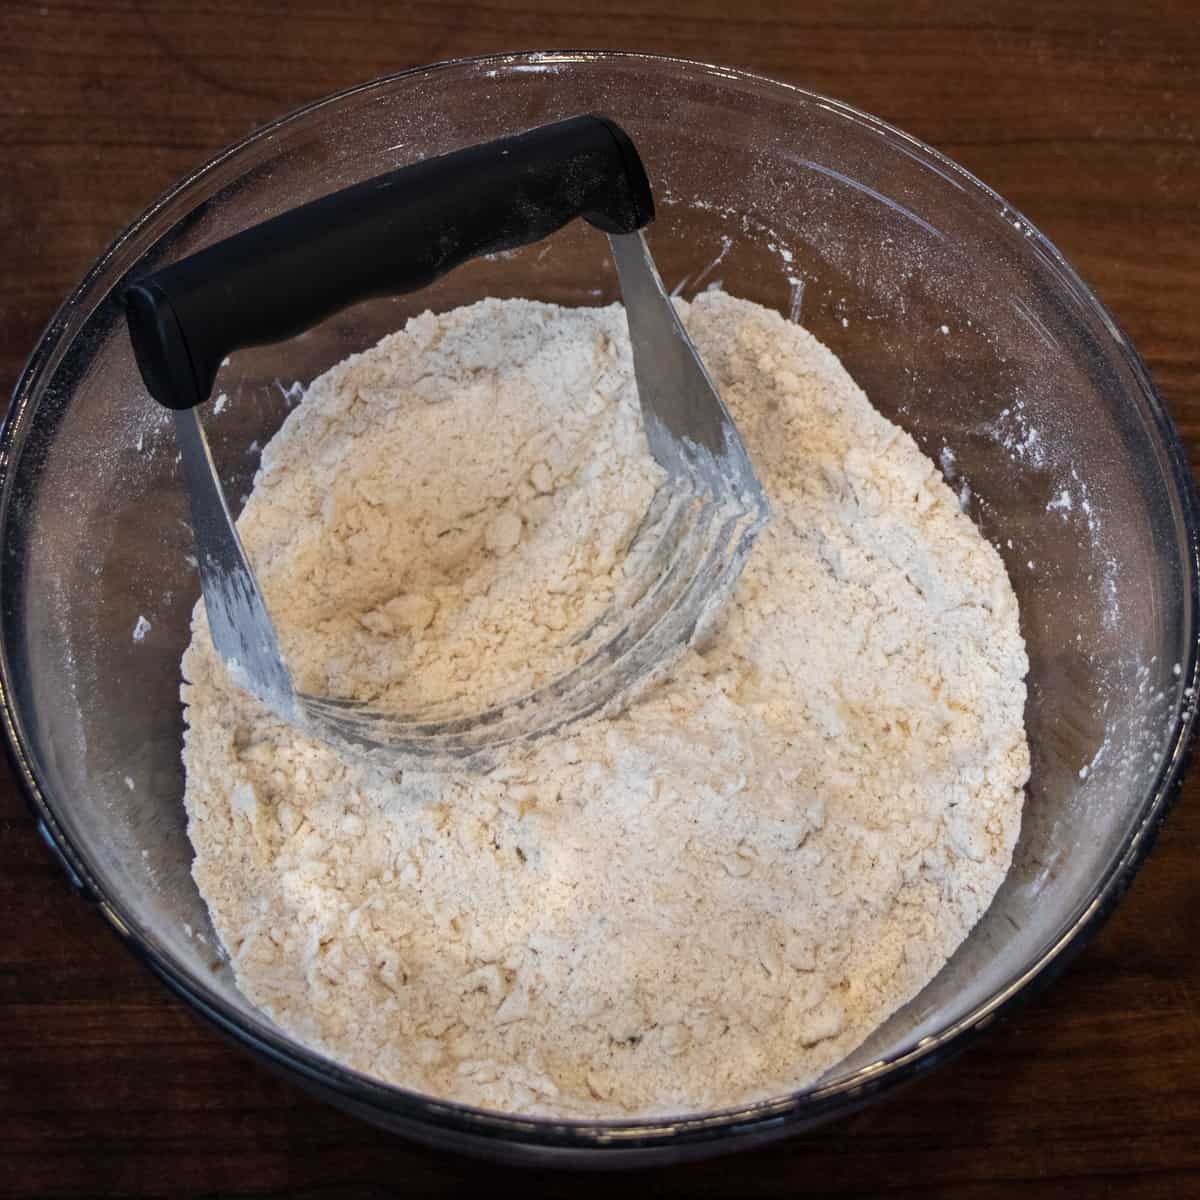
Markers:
688,428
241,627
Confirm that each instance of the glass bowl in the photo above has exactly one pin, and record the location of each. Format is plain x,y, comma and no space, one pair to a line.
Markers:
958,318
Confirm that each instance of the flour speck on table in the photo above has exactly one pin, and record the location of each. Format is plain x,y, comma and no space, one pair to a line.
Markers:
712,897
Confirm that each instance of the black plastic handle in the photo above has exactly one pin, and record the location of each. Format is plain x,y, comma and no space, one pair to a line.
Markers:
394,233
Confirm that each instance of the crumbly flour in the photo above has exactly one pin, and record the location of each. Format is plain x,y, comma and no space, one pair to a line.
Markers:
713,897
443,514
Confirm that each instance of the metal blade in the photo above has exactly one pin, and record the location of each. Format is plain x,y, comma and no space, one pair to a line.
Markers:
241,627
688,428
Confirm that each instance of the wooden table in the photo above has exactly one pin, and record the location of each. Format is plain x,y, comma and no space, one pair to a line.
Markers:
1084,114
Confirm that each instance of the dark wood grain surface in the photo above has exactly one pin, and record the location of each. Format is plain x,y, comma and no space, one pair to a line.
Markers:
1085,115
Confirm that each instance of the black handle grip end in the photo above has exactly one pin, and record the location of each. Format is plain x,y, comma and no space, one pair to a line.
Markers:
161,350
631,202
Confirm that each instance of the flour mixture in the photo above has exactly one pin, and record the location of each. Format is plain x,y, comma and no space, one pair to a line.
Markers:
713,897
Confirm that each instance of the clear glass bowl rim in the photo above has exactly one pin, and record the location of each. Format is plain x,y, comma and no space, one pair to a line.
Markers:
757,1120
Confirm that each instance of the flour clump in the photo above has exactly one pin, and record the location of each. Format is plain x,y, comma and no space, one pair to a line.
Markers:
712,897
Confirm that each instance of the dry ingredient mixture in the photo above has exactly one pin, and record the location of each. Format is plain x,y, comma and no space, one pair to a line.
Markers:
715,896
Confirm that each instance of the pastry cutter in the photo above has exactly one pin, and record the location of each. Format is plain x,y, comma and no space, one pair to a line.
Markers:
397,233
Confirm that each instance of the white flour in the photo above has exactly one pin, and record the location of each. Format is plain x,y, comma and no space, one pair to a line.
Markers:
717,895
467,494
